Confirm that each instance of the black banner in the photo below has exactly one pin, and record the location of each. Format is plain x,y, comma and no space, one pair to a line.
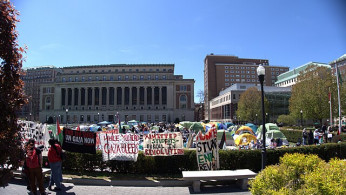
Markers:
79,141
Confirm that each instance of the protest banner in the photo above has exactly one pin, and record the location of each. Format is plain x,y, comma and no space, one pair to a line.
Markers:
33,130
79,141
163,144
122,147
98,142
207,150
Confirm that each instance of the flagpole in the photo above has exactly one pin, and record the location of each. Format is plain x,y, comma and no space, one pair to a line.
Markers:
330,108
338,86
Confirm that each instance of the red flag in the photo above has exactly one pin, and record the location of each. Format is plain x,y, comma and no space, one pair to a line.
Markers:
58,126
78,128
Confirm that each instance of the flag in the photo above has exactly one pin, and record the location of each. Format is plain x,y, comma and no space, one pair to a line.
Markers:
78,128
58,131
119,123
223,140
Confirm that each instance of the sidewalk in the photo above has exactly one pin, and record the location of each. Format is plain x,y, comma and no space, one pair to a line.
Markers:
128,187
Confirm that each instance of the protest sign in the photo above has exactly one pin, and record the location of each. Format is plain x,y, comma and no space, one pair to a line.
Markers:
207,150
33,130
79,141
122,147
163,144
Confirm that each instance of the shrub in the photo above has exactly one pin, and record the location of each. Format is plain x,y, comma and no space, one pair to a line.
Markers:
229,160
301,174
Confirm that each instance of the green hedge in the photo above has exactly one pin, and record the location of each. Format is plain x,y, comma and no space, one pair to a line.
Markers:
294,135
229,160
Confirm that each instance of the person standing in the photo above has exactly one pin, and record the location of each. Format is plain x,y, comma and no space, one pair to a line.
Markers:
305,137
54,159
311,137
34,160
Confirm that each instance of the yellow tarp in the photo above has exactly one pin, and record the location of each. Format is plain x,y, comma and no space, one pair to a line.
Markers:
245,139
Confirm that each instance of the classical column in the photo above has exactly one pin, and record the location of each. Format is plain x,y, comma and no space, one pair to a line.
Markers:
160,96
138,96
72,99
152,96
93,96
130,96
145,97
123,97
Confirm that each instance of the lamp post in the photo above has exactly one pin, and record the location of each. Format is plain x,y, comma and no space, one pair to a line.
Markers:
301,118
256,119
30,116
261,72
66,116
98,120
266,117
239,119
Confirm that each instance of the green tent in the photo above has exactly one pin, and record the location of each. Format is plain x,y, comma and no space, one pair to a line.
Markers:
196,127
186,124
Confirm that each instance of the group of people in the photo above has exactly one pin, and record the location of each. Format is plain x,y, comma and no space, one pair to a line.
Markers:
317,136
33,164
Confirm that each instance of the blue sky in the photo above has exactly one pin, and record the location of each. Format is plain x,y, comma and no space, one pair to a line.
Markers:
88,32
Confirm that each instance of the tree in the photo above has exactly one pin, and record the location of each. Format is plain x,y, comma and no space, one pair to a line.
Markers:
200,95
286,120
250,104
11,93
310,94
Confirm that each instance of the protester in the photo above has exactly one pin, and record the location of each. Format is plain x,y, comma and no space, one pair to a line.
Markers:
316,136
305,137
34,160
54,159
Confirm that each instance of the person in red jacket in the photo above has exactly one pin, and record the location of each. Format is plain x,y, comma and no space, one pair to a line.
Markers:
34,160
54,159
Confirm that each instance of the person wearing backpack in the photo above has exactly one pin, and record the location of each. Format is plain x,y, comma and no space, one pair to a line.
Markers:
33,161
54,159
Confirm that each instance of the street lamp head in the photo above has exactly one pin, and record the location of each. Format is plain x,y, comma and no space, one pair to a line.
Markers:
98,113
261,70
66,110
301,111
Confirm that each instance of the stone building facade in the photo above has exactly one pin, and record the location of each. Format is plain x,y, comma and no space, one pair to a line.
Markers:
142,92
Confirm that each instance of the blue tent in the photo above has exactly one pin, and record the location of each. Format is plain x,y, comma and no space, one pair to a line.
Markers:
252,126
228,124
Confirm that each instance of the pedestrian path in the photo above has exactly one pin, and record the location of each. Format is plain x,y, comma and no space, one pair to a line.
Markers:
18,187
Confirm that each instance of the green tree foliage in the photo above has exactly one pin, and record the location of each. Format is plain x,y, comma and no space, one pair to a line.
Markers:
286,120
11,93
250,104
301,174
310,94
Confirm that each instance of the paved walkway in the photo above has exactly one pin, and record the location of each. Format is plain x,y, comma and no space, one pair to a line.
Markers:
18,187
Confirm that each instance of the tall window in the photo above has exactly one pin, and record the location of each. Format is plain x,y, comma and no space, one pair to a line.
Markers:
134,96
63,95
149,95
156,95
127,96
141,95
90,96
82,95
69,96
164,95
104,95
97,96
182,102
76,94
111,96
119,95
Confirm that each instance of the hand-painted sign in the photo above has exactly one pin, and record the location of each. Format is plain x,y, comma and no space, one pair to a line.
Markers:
122,147
79,141
163,144
37,131
207,150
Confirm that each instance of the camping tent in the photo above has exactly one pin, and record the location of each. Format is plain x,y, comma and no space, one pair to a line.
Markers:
245,139
269,127
252,126
229,138
196,127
